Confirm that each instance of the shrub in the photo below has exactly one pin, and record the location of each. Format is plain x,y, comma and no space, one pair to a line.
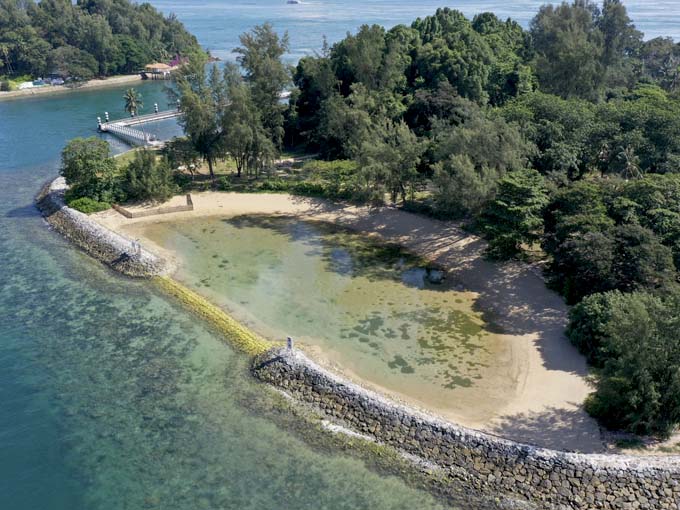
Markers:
89,169
275,185
182,181
223,184
88,206
5,86
633,338
148,179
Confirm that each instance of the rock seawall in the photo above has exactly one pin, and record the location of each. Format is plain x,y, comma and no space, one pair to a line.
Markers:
482,462
110,248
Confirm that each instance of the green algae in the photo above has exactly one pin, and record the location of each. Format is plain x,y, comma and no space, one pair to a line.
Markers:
368,306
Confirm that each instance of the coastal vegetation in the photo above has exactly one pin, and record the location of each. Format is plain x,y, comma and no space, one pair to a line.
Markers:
561,142
86,39
96,179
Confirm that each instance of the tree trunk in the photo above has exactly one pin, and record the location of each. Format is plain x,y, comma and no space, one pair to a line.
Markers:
212,172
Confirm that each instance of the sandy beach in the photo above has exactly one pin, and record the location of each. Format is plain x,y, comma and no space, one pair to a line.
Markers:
543,405
61,89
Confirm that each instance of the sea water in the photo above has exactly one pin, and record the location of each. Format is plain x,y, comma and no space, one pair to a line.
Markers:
218,23
112,397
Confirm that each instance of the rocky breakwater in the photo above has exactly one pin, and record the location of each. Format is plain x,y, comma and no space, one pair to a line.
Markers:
112,249
546,478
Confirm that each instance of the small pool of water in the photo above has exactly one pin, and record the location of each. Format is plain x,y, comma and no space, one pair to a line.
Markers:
357,304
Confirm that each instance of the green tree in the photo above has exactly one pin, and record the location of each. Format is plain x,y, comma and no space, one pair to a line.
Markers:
470,157
569,49
641,261
74,63
245,137
344,124
179,152
89,169
562,131
461,187
660,58
133,102
147,178
633,338
621,41
260,55
588,322
515,216
452,50
316,81
389,159
202,100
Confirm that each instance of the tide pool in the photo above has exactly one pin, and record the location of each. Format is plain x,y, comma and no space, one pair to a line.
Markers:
366,308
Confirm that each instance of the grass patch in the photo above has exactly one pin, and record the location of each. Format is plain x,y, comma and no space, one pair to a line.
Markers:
630,444
88,206
125,158
237,334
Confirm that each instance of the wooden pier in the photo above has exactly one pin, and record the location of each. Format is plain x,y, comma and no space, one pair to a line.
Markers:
123,128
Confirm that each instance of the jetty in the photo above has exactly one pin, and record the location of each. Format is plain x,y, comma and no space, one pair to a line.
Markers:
125,128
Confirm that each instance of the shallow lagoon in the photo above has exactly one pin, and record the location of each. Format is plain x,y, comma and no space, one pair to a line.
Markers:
113,397
365,308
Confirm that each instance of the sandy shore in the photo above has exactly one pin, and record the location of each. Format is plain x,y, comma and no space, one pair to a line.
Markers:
544,407
61,89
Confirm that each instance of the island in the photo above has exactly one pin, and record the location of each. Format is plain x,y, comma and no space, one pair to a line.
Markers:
468,230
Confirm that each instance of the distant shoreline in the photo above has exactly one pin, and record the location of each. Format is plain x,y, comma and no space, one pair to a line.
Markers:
62,89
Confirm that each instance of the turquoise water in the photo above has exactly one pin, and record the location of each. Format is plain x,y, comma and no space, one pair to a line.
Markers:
111,397
364,307
218,23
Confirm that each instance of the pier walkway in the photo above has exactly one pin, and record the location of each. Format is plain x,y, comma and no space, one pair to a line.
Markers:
123,128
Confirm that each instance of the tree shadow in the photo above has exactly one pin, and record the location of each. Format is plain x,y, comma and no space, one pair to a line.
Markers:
512,297
346,252
558,429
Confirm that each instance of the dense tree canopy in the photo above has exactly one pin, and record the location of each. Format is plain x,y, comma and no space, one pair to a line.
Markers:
89,169
86,39
566,135
564,138
633,339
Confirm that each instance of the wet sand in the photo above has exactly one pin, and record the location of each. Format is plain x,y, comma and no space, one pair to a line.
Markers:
544,403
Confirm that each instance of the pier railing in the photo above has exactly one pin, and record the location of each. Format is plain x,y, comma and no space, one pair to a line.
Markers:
123,130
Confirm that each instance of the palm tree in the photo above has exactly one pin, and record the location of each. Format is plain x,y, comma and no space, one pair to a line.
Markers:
630,163
133,101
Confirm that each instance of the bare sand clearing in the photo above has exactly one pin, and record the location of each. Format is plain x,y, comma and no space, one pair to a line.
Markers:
544,405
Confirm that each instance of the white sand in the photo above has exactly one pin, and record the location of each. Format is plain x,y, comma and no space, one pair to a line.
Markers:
545,406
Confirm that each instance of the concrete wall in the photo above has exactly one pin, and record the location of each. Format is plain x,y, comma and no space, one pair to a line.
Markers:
113,249
479,461
156,210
